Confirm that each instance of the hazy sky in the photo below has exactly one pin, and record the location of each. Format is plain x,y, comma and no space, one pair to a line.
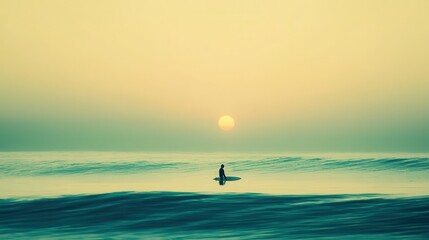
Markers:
156,75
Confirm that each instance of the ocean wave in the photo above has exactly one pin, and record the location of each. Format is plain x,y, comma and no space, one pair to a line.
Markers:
60,167
192,215
269,165
29,167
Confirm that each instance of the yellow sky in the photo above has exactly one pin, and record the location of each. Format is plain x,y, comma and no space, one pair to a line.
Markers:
287,64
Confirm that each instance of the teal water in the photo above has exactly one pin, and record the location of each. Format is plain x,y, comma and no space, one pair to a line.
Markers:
113,195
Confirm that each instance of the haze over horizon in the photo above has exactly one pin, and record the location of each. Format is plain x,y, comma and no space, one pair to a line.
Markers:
156,75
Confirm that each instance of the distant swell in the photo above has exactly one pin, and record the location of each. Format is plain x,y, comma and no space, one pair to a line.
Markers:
70,168
320,164
189,215
266,165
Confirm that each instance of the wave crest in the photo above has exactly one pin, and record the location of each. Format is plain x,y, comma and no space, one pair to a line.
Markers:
169,213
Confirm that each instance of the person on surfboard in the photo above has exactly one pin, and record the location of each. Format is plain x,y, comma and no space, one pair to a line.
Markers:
222,176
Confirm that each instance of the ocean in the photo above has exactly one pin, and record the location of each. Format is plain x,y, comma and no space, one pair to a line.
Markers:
137,195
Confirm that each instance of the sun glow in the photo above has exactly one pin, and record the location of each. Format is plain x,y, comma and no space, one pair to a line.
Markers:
226,123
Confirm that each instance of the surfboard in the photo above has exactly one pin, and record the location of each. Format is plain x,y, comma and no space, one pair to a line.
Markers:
228,178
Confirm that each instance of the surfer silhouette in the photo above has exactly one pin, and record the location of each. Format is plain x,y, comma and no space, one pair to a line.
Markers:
222,176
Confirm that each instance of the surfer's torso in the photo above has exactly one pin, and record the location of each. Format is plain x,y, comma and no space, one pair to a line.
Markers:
221,173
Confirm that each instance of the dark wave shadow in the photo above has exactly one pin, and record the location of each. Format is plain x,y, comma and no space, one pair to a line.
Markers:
173,213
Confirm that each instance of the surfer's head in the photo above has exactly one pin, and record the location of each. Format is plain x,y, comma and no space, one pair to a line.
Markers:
222,166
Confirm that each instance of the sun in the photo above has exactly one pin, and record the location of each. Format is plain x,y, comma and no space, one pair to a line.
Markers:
226,123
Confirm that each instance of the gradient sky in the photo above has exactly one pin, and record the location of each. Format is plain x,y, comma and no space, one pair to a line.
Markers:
156,75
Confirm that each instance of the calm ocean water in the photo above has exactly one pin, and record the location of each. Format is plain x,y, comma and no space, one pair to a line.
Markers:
113,195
